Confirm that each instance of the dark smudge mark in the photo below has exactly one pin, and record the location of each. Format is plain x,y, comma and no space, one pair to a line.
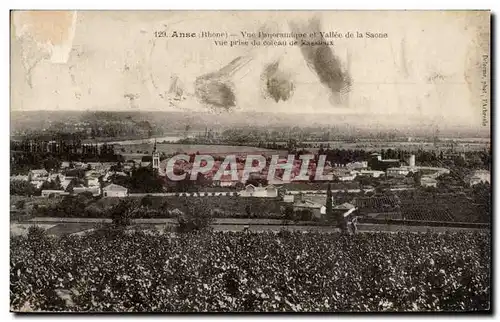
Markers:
132,99
216,89
216,93
322,60
276,84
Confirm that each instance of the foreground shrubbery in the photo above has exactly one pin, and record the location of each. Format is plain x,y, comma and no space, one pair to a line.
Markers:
216,271
81,206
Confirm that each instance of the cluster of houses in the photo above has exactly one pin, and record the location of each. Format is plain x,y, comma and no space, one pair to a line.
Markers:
95,180
342,172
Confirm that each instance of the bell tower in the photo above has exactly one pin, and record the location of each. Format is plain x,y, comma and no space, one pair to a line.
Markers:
156,158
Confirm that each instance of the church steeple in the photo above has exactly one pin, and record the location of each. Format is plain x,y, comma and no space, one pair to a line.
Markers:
156,157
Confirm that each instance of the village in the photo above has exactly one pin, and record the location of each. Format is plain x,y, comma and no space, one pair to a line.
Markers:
360,183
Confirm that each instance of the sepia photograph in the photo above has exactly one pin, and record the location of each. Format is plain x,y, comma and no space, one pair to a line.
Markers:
198,161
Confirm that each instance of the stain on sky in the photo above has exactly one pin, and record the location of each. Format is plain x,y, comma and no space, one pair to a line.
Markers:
276,84
132,99
323,62
216,90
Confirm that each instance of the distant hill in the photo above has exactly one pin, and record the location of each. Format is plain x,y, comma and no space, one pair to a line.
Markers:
196,121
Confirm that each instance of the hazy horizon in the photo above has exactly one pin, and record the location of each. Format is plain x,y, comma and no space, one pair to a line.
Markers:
239,119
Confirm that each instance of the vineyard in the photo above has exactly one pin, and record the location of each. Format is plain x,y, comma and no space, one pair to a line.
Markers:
419,212
245,272
376,204
422,206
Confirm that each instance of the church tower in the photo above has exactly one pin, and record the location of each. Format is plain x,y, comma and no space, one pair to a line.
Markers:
156,158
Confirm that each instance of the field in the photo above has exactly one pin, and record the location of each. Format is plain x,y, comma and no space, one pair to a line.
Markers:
215,150
285,271
418,212
411,147
376,204
423,206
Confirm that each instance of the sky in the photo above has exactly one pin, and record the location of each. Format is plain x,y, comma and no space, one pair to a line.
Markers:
429,64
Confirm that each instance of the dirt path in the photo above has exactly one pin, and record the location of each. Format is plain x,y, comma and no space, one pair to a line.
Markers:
78,226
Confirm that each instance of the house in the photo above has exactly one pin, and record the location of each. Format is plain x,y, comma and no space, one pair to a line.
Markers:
67,181
38,173
19,178
114,190
357,165
80,165
303,204
371,173
48,193
226,180
346,177
37,183
346,209
263,192
96,191
428,182
479,176
54,176
288,198
398,171
92,182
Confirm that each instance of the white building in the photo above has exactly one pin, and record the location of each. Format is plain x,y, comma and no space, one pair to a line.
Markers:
37,183
94,190
54,176
345,209
114,190
411,161
479,176
372,173
92,182
263,192
357,165
346,176
47,193
38,174
19,178
398,172
428,182
315,208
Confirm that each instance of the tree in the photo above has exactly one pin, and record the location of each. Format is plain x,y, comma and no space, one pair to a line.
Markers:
329,202
248,211
288,212
196,216
51,164
146,201
144,180
305,215
20,204
122,213
164,209
58,182
417,177
22,188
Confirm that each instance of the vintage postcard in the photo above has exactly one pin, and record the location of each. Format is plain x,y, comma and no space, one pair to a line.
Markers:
250,161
